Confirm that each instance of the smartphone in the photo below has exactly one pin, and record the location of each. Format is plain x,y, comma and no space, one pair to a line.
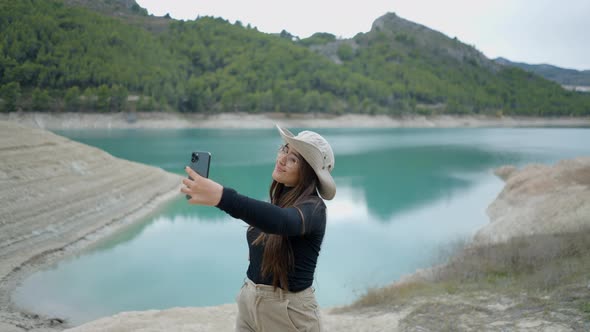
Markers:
200,162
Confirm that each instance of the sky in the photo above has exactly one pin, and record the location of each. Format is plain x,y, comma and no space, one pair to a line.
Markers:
531,31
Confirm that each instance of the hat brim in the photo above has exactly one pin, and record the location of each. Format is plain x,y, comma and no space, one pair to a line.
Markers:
327,186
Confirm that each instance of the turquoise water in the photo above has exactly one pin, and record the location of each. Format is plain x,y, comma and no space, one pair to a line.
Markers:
404,196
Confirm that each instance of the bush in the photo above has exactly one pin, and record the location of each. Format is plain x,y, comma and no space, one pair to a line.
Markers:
40,100
345,52
72,99
10,94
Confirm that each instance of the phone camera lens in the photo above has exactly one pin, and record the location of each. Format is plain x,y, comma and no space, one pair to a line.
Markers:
195,157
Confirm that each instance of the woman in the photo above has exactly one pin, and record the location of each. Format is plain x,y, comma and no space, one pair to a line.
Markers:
284,237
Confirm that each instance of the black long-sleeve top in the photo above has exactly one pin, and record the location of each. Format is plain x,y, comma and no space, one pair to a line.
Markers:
305,231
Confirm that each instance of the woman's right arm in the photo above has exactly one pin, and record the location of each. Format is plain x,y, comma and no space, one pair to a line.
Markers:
203,191
267,217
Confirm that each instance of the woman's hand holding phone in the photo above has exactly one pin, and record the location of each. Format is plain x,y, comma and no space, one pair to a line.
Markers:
203,191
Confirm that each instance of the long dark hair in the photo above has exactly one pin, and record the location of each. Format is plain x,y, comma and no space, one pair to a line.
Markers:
277,259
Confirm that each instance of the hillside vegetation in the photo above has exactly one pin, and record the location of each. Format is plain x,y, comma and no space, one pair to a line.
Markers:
109,55
562,76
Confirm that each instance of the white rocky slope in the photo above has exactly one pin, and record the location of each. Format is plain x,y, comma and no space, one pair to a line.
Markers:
539,199
58,194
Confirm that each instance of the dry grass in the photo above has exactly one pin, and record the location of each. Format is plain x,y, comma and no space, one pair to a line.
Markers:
535,264
541,280
540,262
393,294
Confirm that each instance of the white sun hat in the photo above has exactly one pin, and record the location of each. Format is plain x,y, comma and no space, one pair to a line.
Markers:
318,154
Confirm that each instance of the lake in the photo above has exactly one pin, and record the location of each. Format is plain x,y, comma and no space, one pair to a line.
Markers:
404,197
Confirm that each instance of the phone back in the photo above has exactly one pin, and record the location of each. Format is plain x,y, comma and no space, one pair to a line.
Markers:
200,162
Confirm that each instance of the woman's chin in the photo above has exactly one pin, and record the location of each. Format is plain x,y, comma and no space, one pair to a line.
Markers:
279,178
276,176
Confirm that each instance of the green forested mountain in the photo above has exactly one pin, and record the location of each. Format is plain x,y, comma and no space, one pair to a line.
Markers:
109,55
426,71
560,75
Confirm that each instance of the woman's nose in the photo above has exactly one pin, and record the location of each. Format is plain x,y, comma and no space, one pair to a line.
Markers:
283,159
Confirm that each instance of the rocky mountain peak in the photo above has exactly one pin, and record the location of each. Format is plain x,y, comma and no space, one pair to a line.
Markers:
110,7
391,22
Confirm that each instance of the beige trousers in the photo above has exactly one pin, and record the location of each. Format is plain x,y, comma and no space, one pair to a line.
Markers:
261,309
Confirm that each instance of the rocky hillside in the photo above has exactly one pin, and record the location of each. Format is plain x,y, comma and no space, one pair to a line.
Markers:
123,8
128,11
413,34
540,199
440,74
562,76
82,55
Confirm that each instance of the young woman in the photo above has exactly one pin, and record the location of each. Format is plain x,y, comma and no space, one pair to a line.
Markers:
284,237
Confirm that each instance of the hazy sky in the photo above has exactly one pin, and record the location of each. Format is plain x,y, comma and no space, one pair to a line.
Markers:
532,31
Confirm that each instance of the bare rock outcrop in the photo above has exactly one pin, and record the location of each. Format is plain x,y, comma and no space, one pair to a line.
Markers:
539,199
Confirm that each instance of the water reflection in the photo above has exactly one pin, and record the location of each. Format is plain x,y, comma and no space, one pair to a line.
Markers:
395,180
360,252
186,257
393,170
169,262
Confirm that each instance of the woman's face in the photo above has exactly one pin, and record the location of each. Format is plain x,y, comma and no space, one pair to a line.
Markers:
287,166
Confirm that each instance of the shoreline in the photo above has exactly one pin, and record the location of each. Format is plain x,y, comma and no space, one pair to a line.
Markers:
56,205
161,120
10,282
16,319
529,189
